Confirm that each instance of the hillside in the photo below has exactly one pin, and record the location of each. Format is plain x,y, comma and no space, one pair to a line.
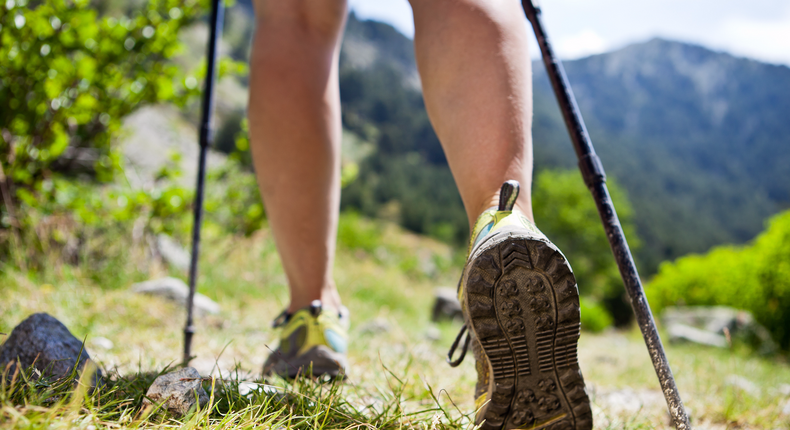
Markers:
697,138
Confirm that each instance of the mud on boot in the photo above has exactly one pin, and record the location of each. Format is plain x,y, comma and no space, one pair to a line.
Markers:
522,318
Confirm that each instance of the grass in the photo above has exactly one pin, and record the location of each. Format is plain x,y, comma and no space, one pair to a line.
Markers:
398,378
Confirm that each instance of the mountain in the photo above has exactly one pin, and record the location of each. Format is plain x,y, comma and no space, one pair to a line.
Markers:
699,139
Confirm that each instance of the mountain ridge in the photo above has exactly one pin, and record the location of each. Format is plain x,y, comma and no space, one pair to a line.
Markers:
704,124
695,136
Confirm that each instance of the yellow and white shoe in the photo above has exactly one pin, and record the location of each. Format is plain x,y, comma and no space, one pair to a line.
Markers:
313,342
522,317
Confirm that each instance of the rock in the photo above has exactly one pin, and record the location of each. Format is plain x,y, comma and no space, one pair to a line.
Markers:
375,326
172,252
153,132
681,332
176,290
446,305
101,342
45,341
742,384
630,400
720,321
433,334
178,392
250,389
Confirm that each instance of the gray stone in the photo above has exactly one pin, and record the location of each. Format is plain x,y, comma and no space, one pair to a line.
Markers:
45,343
630,400
375,326
172,252
251,389
177,291
742,384
178,392
101,342
153,131
433,333
446,305
721,321
681,332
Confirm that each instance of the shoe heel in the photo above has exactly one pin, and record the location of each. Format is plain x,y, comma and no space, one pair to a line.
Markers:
524,310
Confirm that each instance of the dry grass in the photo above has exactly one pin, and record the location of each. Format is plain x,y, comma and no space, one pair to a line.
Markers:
397,364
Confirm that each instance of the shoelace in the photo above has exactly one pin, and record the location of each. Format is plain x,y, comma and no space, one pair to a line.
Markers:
455,363
281,319
285,316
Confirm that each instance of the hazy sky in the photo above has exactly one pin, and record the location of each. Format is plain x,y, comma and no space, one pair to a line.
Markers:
758,29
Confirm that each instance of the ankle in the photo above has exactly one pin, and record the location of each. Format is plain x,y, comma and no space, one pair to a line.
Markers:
329,297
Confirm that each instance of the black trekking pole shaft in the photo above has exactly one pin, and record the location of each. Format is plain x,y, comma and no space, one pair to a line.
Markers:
206,139
595,178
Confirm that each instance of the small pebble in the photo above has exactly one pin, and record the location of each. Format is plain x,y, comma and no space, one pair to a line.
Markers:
433,334
101,342
375,326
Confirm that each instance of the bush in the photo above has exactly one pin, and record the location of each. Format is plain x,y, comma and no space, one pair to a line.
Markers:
595,318
358,233
566,213
233,202
105,231
755,278
68,79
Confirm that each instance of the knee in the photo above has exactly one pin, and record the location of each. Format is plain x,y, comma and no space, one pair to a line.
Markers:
320,18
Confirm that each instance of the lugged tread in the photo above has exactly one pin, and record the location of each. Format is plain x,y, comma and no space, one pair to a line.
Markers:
524,309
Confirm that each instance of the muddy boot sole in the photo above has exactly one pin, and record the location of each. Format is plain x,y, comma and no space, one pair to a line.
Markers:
523,305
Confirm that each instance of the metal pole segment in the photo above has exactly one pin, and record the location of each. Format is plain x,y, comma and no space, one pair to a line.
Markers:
206,139
595,178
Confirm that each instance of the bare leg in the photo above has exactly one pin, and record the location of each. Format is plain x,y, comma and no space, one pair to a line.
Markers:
295,131
477,82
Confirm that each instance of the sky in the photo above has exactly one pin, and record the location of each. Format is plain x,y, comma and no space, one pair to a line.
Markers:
757,29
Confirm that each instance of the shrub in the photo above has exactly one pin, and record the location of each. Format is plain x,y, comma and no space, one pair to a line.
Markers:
566,213
595,318
358,233
755,277
68,79
233,201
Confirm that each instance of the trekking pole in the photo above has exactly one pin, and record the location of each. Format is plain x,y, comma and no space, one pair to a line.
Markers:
206,139
595,179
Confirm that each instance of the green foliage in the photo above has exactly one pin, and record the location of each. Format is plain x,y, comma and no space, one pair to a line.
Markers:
595,318
68,79
565,211
698,176
233,202
104,228
357,233
80,222
302,403
754,277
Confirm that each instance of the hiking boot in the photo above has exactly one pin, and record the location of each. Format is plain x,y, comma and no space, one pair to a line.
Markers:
313,342
521,311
